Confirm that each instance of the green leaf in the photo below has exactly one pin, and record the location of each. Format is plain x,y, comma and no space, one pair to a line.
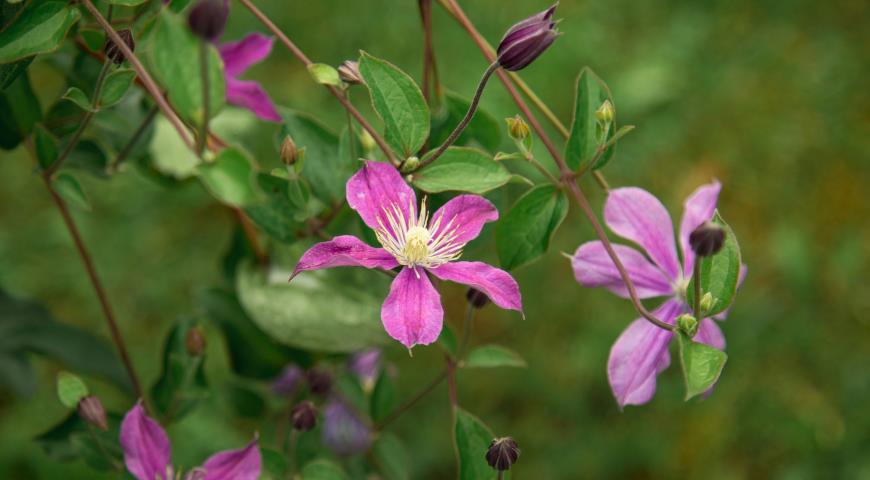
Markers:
391,457
128,3
45,145
72,439
385,397
169,154
116,85
323,317
40,28
275,464
230,178
71,191
175,58
182,384
399,103
720,273
447,339
586,133
17,374
80,98
10,71
524,233
701,364
245,401
483,129
322,469
488,356
324,74
462,169
19,112
70,389
90,157
284,208
472,439
324,169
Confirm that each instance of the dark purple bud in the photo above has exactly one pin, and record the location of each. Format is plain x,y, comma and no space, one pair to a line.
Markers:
343,431
319,381
502,453
527,40
112,51
304,416
366,365
476,298
288,381
707,239
91,410
194,342
208,18
349,72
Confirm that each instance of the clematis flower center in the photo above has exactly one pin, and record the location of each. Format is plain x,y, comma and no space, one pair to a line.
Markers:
413,241
417,245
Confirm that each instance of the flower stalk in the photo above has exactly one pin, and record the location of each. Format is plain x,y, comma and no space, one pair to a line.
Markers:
202,138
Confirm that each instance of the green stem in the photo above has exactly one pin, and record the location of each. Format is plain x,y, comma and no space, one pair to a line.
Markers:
534,161
466,331
105,453
696,281
351,135
202,138
137,135
413,401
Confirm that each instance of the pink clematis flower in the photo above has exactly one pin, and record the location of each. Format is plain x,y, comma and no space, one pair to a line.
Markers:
147,454
412,312
238,57
641,351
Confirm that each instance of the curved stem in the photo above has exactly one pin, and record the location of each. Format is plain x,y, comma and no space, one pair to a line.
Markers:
382,144
413,401
493,67
137,135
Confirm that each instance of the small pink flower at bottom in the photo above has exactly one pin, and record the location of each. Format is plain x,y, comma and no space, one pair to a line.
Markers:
412,312
641,351
147,454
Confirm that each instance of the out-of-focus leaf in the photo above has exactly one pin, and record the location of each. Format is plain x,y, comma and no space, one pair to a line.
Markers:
17,374
169,154
246,402
10,71
488,356
701,364
182,384
324,170
385,397
482,130
280,214
524,233
275,465
19,112
40,28
462,169
70,389
128,3
71,191
45,145
89,156
391,457
116,85
230,178
472,439
72,439
323,318
586,133
720,273
399,103
80,98
323,469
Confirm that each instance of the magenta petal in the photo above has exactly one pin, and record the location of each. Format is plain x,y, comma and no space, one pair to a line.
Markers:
710,334
594,268
462,218
637,215
242,464
412,312
344,251
378,188
250,95
497,284
638,356
239,56
699,208
146,447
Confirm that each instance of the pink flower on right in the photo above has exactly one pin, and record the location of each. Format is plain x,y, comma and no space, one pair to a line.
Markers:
641,351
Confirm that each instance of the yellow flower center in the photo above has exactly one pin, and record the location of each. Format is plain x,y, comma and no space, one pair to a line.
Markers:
416,249
411,240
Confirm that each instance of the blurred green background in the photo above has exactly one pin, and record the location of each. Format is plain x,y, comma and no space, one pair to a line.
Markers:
768,96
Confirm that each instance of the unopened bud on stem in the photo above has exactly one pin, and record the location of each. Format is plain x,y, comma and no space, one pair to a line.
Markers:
707,239
289,152
91,410
707,302
476,298
605,113
527,40
319,381
349,72
518,129
194,342
304,416
208,18
113,52
687,324
502,453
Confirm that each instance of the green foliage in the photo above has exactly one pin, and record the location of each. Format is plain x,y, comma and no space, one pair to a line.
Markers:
230,178
462,169
586,133
720,273
701,365
323,469
73,439
45,145
71,191
283,209
80,98
324,74
472,438
385,398
116,85
19,112
524,233
399,103
170,156
182,384
70,389
483,129
324,169
391,457
40,28
488,356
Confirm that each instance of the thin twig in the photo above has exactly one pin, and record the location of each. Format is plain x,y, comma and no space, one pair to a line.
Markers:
466,331
251,235
696,281
137,135
412,401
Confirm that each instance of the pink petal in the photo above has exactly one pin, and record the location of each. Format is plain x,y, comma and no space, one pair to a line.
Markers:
250,95
239,56
497,284
710,334
412,312
462,217
146,447
594,268
242,464
378,188
699,208
344,251
638,356
637,215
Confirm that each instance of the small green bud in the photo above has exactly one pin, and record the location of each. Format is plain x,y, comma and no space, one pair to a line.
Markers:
707,302
366,140
410,164
605,113
688,324
289,152
518,129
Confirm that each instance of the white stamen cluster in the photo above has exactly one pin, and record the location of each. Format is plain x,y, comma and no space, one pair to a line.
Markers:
413,241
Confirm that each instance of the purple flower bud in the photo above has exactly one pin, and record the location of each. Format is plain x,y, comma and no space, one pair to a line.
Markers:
502,453
366,365
348,71
707,239
304,416
319,381
527,40
343,431
208,18
112,51
91,410
476,298
288,381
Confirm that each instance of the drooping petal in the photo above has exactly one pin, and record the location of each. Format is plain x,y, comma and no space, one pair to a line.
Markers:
638,356
699,208
344,251
240,55
146,447
594,268
250,95
497,284
412,312
462,218
637,215
343,431
242,464
710,334
378,188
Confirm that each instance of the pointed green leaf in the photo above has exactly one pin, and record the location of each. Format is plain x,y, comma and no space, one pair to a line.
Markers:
324,74
472,439
483,129
701,364
586,133
721,272
230,178
488,356
462,169
40,28
399,103
524,233
80,98
45,145
19,112
70,389
280,213
10,71
324,169
182,384
71,191
384,397
116,85
391,457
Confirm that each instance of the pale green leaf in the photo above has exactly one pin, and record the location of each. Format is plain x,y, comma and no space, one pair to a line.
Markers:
230,178
489,356
720,273
116,85
462,169
324,74
472,439
77,96
40,28
701,364
70,389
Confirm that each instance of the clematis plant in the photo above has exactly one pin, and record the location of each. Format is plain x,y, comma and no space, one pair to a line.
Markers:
410,239
641,351
147,454
239,56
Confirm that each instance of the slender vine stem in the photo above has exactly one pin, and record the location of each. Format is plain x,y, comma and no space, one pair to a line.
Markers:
466,331
137,135
351,134
202,138
430,67
696,281
412,401
382,144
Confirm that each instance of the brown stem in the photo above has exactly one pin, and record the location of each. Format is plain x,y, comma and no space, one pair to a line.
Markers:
451,383
137,135
696,281
202,138
334,91
428,52
251,235
413,401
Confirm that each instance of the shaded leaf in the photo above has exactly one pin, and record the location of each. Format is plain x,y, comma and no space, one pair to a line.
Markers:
116,85
45,145
230,177
472,439
40,28
462,169
19,112
280,213
182,384
324,169
488,356
391,457
323,469
483,129
524,233
71,191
